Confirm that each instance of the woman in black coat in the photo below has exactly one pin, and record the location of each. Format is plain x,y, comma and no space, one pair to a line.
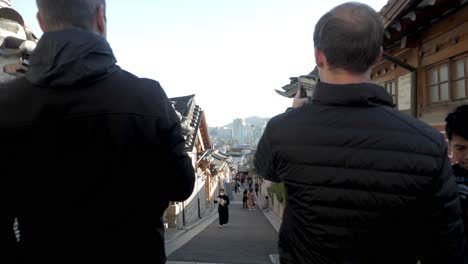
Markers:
223,210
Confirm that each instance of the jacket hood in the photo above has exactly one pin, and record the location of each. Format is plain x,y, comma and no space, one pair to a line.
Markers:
68,57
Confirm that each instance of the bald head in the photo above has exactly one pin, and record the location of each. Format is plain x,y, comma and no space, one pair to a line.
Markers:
60,14
350,36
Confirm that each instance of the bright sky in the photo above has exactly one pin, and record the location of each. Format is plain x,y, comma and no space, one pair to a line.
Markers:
231,54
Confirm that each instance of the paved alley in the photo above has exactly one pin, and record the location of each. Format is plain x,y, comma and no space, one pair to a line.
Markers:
248,238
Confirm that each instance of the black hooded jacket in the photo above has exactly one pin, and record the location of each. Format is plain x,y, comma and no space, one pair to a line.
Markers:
91,157
365,184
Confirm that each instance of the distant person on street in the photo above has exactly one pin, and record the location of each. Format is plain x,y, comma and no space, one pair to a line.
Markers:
236,187
223,208
92,155
266,203
457,132
250,199
244,199
256,189
365,184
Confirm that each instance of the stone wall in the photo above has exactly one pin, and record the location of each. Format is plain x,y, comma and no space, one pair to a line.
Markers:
278,208
175,213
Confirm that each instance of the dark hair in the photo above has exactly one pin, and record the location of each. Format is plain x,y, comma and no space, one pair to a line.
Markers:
68,13
350,36
457,123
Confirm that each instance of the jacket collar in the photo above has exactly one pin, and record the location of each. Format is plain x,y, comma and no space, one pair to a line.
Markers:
362,94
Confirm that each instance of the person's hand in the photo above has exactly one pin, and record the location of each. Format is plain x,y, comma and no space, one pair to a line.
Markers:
16,69
299,101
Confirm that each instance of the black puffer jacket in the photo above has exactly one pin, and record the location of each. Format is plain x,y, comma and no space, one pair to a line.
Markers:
91,157
365,183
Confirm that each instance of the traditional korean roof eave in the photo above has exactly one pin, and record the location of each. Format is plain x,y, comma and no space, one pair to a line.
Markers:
220,156
205,132
191,117
408,17
291,89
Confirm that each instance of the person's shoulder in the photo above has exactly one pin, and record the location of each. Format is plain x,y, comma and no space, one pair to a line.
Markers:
287,123
138,83
146,90
15,89
280,120
412,126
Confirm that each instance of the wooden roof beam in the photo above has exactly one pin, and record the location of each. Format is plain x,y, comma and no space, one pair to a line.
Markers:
387,34
423,17
426,3
411,16
396,26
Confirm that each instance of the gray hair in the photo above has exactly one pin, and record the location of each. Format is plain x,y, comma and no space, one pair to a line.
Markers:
350,36
56,14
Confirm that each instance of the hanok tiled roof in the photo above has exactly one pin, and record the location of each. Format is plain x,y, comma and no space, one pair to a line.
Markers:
190,114
220,156
219,160
306,81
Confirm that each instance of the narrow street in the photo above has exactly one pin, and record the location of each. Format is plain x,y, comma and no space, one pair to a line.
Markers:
248,238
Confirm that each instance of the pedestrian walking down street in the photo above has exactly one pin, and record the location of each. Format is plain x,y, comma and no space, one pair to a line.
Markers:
250,199
244,199
107,144
364,182
266,203
223,208
256,189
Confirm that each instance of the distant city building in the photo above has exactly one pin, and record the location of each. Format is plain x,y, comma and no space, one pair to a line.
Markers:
224,133
238,130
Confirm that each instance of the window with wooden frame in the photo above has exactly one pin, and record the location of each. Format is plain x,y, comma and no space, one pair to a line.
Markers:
448,81
460,78
391,88
438,83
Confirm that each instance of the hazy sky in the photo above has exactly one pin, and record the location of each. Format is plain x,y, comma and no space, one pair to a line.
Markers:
231,54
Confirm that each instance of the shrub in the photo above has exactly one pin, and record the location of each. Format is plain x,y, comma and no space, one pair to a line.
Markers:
279,190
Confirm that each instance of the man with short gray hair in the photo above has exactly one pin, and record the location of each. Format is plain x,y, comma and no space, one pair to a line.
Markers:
92,154
75,13
365,184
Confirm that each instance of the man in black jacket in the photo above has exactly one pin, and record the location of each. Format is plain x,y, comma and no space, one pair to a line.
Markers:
91,154
365,184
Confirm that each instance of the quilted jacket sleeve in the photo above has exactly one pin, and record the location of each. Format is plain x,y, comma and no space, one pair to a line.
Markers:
446,243
265,163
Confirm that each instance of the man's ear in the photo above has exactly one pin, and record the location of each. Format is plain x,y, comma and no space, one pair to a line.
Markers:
41,24
379,56
101,21
319,58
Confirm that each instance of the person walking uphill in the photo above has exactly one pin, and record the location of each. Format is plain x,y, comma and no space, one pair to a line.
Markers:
92,155
223,208
365,183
